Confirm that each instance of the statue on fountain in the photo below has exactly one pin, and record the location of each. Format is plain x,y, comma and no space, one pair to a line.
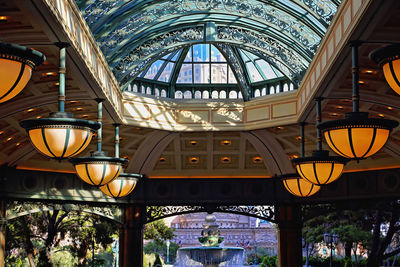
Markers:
210,233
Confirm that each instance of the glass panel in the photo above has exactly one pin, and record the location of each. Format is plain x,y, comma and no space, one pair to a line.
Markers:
232,78
206,95
187,95
291,88
197,95
201,53
178,94
175,57
285,87
222,95
214,94
257,93
148,91
272,90
185,74
251,56
216,55
163,93
244,56
219,73
154,68
266,69
188,57
201,73
233,94
167,72
135,88
142,89
264,91
157,92
240,95
255,76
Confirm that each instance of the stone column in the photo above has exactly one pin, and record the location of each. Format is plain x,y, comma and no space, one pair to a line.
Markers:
289,236
3,226
131,243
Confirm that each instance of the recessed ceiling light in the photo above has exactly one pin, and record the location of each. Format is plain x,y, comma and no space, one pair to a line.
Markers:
280,128
49,74
257,159
339,107
193,142
361,82
194,160
163,159
298,138
226,159
3,18
389,108
30,110
381,115
226,142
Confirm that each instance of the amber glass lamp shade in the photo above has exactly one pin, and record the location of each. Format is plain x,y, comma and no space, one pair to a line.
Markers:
298,186
320,168
60,136
357,136
98,169
16,65
388,58
122,186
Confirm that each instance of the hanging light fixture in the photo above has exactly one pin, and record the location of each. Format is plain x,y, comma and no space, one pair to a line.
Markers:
60,136
356,136
16,65
298,186
124,184
294,183
388,58
98,169
320,168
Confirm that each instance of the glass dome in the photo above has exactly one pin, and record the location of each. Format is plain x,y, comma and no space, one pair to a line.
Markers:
174,48
202,71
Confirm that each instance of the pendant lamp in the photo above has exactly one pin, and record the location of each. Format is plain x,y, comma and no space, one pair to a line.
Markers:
388,58
124,184
60,136
320,168
16,65
98,169
298,186
357,136
294,183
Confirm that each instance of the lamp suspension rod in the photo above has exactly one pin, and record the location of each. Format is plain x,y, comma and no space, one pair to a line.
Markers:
61,71
116,125
99,120
319,119
355,72
303,151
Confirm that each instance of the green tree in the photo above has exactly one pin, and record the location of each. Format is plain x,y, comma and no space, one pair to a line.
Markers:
158,231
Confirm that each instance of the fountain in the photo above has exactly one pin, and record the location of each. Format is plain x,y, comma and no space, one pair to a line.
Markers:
210,254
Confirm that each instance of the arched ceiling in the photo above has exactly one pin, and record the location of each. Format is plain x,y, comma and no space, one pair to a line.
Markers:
134,34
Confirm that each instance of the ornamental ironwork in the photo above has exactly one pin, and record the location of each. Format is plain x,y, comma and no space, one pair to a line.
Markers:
17,209
141,56
154,213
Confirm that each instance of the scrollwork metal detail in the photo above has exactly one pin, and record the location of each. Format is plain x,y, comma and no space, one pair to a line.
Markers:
140,57
154,213
16,209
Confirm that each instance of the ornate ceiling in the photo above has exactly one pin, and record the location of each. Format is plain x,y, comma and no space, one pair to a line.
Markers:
133,34
160,153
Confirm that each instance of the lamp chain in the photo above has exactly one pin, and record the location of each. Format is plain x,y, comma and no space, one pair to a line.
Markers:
100,120
302,139
61,71
116,140
319,119
355,73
